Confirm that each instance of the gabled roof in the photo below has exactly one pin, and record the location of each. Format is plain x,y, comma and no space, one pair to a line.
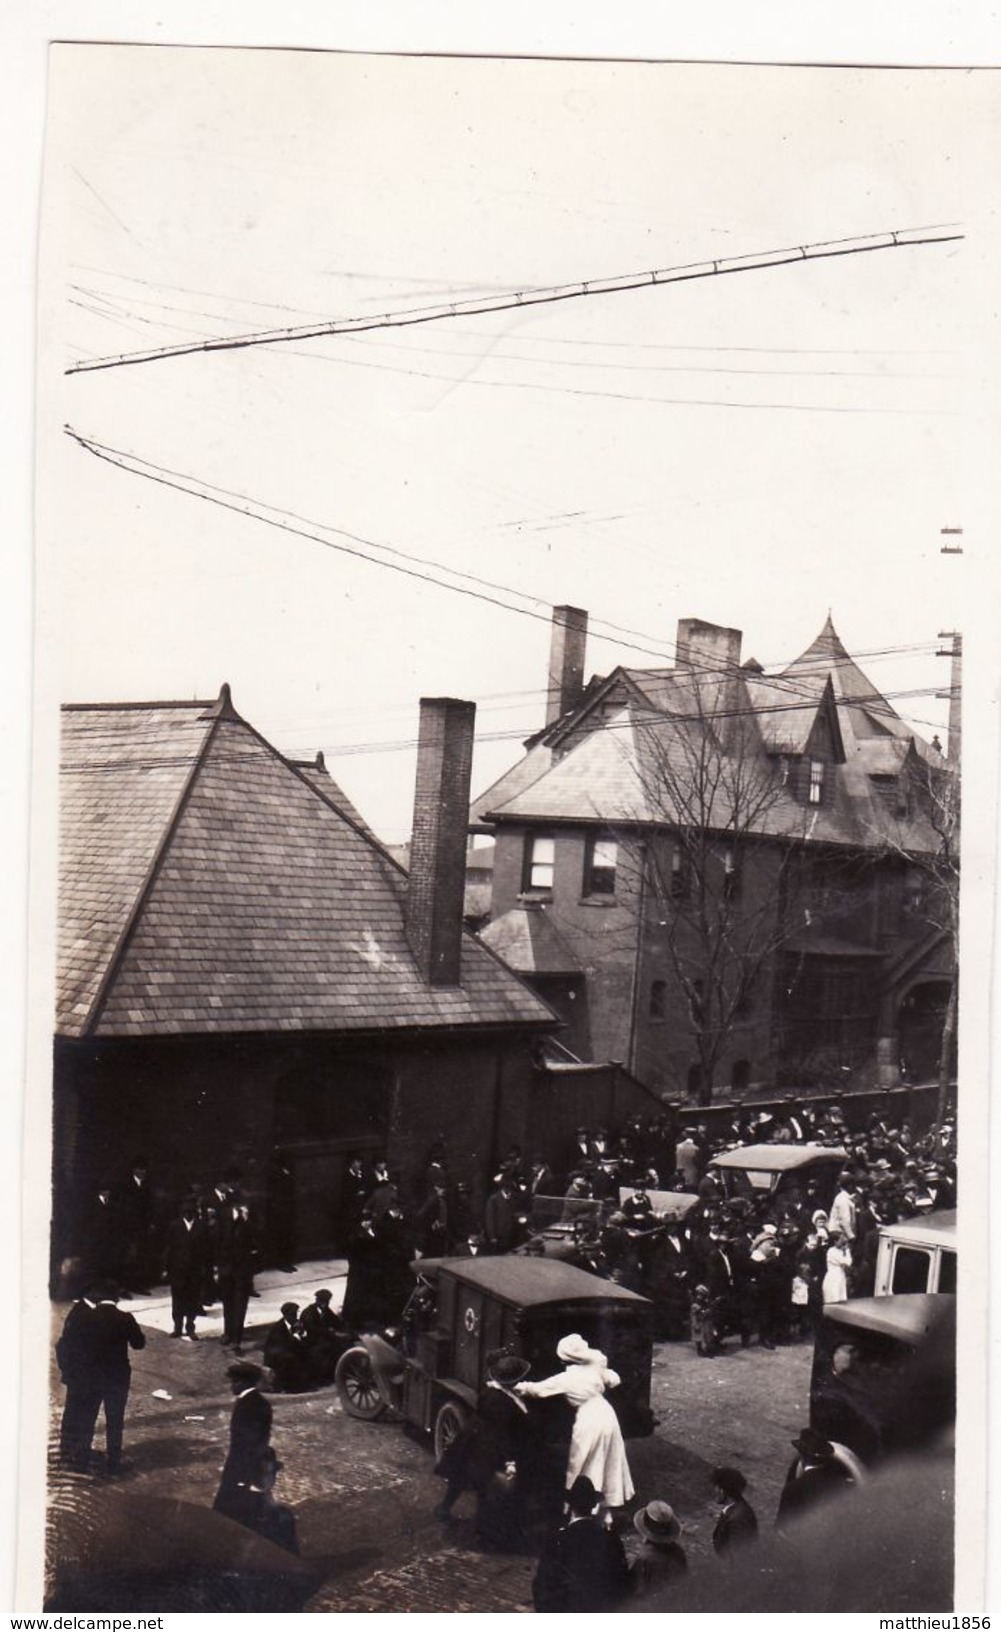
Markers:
605,760
535,763
207,886
616,776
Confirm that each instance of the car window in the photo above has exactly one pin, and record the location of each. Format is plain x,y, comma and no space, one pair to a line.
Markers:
910,1270
947,1272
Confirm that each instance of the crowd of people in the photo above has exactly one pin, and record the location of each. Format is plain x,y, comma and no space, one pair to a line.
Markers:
591,1555
753,1266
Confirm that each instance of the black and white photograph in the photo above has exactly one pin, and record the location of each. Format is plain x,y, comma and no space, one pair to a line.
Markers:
508,532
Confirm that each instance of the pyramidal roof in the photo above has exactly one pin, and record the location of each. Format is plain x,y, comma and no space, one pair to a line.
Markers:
827,657
206,885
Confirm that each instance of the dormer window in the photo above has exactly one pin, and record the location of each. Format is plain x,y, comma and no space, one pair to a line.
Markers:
816,789
539,864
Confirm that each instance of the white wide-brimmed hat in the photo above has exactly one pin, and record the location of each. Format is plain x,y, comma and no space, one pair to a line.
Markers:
573,1349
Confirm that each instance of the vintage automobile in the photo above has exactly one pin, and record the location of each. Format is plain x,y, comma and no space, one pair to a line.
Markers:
884,1372
669,1206
754,1170
917,1255
431,1373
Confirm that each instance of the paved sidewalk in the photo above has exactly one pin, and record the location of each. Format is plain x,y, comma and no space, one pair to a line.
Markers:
274,1285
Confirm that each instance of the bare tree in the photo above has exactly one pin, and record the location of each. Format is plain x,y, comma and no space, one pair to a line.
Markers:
716,843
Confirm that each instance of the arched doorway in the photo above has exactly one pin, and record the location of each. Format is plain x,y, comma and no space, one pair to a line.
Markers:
325,1112
920,1019
740,1076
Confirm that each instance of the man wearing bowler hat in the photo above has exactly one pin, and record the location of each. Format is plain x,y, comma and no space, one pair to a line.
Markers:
737,1523
814,1477
584,1565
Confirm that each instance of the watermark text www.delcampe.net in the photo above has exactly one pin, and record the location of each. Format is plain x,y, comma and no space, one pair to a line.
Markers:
87,1623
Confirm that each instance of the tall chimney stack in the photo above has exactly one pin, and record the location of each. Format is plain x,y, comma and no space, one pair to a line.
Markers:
437,883
712,653
567,653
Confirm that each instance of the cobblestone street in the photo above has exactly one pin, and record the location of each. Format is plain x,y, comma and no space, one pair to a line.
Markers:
364,1492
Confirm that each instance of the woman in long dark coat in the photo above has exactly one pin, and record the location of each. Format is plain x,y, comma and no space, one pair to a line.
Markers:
249,1431
491,1447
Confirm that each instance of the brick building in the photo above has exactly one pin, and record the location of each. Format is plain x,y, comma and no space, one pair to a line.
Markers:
725,879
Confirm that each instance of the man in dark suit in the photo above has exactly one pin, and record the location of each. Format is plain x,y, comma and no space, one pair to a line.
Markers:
285,1352
98,1357
235,1259
584,1566
737,1523
102,1253
249,1431
325,1337
432,1222
720,1277
83,1399
186,1261
356,1187
814,1477
134,1210
500,1218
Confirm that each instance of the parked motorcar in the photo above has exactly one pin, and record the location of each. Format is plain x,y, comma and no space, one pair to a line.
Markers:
917,1255
669,1206
754,1170
884,1372
432,1370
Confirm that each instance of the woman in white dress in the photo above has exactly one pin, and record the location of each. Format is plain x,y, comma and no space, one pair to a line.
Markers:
597,1449
839,1262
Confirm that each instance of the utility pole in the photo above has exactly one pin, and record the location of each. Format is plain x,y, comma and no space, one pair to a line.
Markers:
955,692
949,833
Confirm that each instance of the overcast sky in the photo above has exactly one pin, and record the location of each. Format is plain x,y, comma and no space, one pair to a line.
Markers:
755,450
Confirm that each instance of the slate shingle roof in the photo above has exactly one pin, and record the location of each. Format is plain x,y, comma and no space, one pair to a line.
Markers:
610,766
206,886
528,940
122,773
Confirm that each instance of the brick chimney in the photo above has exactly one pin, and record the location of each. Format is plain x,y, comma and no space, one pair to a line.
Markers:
710,649
713,654
567,652
437,881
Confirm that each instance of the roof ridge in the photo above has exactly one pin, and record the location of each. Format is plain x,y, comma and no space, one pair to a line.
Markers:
106,708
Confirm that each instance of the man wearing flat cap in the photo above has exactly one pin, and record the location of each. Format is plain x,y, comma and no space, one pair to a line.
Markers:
324,1336
249,1431
737,1523
285,1352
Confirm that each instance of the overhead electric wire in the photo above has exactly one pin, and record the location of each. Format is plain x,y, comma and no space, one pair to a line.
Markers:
284,521
119,310
525,336
407,744
907,238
